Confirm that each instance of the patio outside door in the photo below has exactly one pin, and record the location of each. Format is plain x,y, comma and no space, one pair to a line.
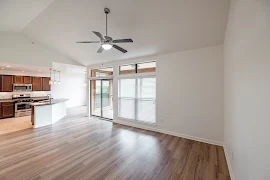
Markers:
102,98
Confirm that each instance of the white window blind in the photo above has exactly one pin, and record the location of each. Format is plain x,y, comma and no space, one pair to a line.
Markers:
137,99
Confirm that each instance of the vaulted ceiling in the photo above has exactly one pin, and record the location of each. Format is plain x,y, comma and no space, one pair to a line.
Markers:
15,15
156,26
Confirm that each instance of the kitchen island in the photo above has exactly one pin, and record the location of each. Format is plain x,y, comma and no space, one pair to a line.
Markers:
48,112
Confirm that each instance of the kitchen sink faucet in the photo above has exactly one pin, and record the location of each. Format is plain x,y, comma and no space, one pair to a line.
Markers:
50,98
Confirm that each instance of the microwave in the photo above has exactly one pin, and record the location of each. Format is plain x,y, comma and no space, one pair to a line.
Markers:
22,87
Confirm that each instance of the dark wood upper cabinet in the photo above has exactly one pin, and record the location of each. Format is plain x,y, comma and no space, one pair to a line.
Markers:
17,79
6,83
22,80
37,83
7,109
27,80
45,84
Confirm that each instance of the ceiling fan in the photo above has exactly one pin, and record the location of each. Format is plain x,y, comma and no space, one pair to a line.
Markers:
106,41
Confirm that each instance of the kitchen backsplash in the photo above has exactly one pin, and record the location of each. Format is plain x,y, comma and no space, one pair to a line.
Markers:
8,95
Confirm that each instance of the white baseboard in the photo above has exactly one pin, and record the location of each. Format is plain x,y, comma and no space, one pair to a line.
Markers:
150,128
228,162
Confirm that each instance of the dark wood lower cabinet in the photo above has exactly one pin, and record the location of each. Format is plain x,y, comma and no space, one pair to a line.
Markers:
1,116
7,109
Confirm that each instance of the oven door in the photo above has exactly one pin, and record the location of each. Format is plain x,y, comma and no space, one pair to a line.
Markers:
22,109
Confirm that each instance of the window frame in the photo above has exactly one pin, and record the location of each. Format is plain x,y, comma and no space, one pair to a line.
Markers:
136,68
91,71
136,98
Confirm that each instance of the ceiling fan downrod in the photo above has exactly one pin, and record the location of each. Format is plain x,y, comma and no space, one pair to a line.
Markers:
107,11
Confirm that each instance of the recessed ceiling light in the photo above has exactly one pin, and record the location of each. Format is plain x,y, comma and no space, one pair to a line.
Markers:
8,66
39,70
22,71
2,68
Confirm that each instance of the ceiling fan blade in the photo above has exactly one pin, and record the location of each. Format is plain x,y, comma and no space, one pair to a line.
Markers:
122,41
98,34
88,42
100,50
119,48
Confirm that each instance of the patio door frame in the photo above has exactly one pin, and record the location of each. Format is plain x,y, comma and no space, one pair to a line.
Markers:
101,79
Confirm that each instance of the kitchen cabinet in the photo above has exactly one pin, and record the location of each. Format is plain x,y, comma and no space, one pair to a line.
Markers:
6,82
45,84
27,80
37,83
17,79
7,109
21,79
1,116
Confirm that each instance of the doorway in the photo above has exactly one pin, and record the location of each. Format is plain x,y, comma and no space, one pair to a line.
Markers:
102,98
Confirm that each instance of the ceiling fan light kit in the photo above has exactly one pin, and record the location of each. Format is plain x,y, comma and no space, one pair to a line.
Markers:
106,41
106,46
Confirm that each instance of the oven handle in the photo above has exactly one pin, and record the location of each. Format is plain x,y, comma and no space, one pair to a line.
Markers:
23,103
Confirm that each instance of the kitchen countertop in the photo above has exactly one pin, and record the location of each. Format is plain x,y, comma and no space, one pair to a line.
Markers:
6,100
35,98
53,101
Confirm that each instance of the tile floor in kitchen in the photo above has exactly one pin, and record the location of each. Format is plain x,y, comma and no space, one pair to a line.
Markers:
15,124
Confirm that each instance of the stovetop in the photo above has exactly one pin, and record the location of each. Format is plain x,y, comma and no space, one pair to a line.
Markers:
24,100
18,98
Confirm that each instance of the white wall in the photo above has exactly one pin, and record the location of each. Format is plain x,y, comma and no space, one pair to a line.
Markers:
247,89
189,93
72,87
15,48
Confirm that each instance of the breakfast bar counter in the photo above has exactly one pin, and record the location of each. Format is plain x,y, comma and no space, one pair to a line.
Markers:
48,112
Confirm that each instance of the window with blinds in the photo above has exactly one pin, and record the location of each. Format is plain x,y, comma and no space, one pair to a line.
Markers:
137,99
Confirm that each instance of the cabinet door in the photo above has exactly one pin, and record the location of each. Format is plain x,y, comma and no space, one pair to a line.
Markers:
1,116
45,84
27,80
17,79
7,109
37,83
6,83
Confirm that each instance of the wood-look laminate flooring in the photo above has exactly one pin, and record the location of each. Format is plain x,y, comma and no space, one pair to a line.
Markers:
81,148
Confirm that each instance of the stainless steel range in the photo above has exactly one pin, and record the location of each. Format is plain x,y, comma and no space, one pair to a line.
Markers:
22,104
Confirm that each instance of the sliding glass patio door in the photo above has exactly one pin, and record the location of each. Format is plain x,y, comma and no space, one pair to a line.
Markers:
102,98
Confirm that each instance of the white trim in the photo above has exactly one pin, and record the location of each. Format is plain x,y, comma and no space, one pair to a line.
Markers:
137,121
169,132
136,75
228,162
100,77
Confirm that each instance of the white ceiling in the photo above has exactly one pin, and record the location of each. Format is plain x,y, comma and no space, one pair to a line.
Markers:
156,26
23,68
64,68
15,15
